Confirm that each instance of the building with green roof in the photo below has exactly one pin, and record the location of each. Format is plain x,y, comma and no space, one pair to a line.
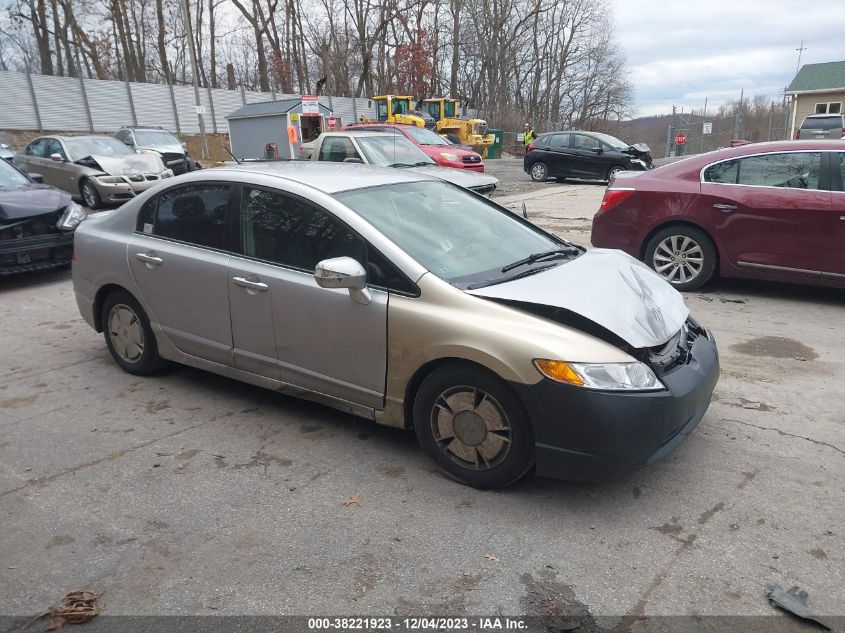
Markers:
817,89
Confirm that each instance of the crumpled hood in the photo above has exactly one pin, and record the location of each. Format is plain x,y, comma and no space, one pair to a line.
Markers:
607,287
461,177
25,201
165,149
129,164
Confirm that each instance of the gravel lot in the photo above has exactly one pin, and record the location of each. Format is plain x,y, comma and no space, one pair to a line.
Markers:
187,493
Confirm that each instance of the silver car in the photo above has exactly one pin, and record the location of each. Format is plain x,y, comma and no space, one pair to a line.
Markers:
96,169
406,300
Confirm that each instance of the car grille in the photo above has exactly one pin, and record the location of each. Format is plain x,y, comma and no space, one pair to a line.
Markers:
44,224
177,162
472,158
678,350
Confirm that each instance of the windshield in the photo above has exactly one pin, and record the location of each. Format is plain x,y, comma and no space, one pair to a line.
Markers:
424,137
105,146
155,137
611,140
11,177
454,234
392,150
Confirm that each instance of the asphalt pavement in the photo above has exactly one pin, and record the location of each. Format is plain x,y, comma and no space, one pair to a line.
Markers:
187,493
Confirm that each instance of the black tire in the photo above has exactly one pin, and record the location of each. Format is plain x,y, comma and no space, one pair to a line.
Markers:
659,250
613,171
89,194
539,172
147,361
504,433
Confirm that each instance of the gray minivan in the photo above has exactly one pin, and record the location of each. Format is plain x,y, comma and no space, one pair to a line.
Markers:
817,126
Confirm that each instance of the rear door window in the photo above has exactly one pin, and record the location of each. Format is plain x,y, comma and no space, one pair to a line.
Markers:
724,172
337,149
559,141
793,170
195,214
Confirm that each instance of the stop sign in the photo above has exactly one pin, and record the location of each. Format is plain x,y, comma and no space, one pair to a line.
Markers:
680,138
332,121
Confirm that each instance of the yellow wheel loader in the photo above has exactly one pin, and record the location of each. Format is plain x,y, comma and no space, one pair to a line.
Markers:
472,132
398,109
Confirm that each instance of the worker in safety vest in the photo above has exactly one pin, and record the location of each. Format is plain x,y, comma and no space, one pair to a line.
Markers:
528,135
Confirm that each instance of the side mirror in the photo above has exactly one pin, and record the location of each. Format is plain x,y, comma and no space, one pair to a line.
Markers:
599,150
343,272
36,177
353,160
57,157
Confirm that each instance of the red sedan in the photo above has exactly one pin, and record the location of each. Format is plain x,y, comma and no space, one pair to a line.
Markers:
439,149
765,211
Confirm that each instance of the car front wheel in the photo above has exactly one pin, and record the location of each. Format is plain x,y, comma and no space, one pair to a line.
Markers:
684,256
539,172
613,172
473,427
128,335
90,195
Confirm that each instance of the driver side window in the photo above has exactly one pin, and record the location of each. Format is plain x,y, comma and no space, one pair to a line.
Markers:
586,142
337,150
793,170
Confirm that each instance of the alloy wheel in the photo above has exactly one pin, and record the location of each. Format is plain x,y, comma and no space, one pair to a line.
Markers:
678,259
89,196
538,172
125,333
471,428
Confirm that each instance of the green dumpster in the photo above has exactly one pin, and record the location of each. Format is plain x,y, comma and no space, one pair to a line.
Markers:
495,150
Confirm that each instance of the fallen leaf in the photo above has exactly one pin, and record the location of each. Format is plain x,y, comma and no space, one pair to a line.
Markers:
491,557
357,500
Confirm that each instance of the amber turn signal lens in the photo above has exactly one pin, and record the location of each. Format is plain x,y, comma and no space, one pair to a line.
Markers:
560,371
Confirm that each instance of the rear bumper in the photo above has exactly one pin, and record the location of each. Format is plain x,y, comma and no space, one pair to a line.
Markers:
585,435
35,253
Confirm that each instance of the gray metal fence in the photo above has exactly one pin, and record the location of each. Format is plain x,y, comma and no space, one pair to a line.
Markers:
44,102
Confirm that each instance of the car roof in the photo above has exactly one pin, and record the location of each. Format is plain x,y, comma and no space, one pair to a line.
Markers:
823,116
328,177
65,137
355,133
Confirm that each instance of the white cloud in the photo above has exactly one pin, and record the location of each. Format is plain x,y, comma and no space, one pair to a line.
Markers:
681,51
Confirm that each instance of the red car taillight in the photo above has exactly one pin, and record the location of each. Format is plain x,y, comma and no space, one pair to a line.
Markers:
612,197
530,147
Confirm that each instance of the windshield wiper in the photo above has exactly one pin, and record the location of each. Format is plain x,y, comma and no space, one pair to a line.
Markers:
524,273
536,257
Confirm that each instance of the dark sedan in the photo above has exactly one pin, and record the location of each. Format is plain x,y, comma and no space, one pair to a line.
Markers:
583,155
765,211
36,223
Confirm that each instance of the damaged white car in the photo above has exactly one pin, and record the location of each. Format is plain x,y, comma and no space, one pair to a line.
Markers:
99,170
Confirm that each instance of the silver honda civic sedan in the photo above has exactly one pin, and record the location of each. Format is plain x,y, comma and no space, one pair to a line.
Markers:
408,301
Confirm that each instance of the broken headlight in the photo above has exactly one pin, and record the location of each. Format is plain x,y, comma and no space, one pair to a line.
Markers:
73,215
634,376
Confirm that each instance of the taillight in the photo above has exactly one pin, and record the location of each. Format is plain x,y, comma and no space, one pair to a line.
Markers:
612,197
530,147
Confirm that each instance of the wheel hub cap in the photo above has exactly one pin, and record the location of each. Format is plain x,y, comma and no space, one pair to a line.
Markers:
471,428
678,259
125,332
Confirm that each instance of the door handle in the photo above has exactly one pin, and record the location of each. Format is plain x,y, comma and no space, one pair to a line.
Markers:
243,282
725,207
150,260
842,217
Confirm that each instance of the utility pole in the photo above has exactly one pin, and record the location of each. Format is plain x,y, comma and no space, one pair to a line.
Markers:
800,50
195,72
669,134
771,121
738,116
703,120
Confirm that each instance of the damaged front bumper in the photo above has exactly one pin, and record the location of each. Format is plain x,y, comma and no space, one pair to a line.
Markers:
35,253
126,188
586,435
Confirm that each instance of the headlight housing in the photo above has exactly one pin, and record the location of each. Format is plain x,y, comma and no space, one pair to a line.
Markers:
634,376
167,173
73,215
452,158
112,180
640,162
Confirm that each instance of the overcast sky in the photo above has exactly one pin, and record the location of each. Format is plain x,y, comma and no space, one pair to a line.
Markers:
681,51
